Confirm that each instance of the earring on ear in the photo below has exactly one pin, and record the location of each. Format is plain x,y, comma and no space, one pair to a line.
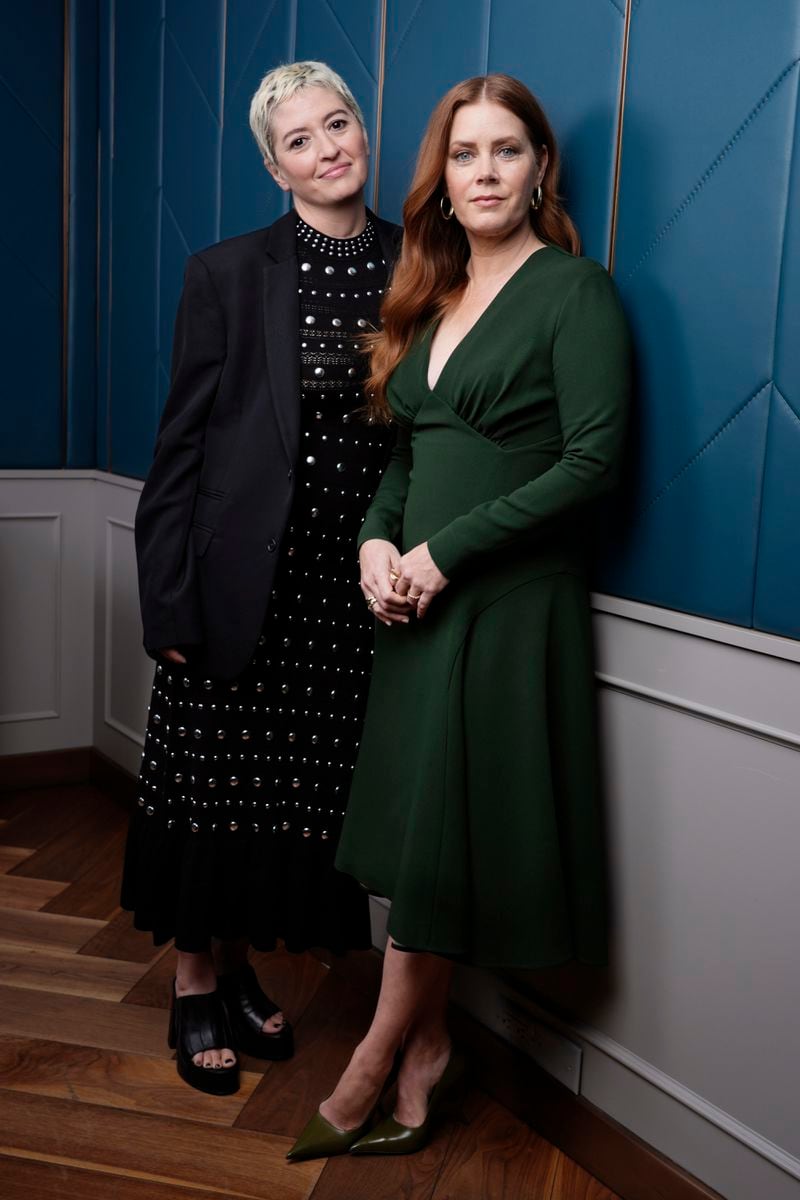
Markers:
446,215
537,198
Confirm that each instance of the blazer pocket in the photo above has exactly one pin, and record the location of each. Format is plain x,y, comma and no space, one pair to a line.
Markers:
212,492
201,538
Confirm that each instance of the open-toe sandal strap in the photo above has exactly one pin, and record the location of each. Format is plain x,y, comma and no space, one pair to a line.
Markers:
253,1003
202,1024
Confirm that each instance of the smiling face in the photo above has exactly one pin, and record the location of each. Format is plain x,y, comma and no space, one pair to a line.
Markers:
320,149
492,169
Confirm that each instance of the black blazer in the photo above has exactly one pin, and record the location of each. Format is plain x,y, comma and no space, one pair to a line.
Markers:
217,499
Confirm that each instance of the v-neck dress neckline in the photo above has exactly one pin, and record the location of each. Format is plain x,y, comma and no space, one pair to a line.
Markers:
430,332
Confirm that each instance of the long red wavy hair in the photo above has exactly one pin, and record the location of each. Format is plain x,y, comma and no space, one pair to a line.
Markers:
431,272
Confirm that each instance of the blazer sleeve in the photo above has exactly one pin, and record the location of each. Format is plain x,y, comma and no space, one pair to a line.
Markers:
592,383
167,584
384,517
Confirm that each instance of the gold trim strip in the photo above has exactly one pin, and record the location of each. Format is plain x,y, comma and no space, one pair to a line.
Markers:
379,115
626,37
65,189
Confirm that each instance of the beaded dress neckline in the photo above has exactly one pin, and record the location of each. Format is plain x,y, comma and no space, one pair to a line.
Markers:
336,247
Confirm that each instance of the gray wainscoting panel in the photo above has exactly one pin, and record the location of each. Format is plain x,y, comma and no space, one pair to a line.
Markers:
30,616
46,569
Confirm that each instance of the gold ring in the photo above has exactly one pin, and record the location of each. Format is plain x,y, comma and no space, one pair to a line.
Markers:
414,595
371,602
393,575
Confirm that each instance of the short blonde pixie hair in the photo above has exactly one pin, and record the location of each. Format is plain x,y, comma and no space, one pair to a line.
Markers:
286,81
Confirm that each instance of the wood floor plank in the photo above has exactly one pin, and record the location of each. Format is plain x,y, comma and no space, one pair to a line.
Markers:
70,974
167,1150
48,813
94,891
494,1157
32,894
12,856
117,938
409,1178
82,1021
571,1182
135,1082
337,1017
46,930
12,803
72,849
30,1179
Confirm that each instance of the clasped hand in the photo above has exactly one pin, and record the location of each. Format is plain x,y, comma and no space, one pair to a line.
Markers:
400,584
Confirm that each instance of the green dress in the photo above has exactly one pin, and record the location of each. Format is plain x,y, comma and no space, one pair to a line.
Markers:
475,801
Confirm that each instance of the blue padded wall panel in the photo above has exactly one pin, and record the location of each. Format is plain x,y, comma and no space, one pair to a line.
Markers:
191,120
777,590
82,304
258,36
31,117
577,80
429,47
105,107
704,525
699,257
777,596
135,232
346,35
191,150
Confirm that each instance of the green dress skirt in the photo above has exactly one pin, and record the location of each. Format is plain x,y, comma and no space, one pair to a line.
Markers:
475,803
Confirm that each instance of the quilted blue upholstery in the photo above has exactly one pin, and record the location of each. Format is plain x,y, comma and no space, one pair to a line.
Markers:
429,47
707,249
82,308
710,286
31,92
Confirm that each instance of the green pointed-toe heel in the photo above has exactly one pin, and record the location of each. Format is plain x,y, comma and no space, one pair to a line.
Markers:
390,1137
320,1139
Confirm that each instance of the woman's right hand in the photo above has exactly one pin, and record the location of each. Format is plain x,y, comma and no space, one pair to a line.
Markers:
174,656
378,558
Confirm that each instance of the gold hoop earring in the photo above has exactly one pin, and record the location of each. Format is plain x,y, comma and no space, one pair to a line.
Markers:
537,198
446,215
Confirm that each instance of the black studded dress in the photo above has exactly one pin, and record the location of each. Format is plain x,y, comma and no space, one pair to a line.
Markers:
243,785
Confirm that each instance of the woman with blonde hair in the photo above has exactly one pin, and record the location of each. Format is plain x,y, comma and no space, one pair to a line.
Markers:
262,473
504,362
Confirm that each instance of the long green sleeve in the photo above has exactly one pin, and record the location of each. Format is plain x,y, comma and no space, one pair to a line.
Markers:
385,516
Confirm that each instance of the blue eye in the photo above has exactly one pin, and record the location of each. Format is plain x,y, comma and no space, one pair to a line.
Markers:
461,155
509,151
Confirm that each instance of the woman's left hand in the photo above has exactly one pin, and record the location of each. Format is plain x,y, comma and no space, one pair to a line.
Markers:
419,578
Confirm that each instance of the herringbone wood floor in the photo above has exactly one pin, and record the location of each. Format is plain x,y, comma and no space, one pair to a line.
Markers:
90,1105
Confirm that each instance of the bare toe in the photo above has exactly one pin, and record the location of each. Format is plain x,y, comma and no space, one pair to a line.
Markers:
275,1023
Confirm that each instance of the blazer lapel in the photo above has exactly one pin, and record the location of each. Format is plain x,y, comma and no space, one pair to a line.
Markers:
282,332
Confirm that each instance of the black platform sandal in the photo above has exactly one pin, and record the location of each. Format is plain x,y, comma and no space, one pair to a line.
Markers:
248,1008
198,1023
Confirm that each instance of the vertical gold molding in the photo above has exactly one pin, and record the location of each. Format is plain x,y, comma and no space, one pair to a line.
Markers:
379,112
612,245
65,188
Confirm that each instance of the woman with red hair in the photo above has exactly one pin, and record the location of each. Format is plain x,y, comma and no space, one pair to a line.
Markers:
503,361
